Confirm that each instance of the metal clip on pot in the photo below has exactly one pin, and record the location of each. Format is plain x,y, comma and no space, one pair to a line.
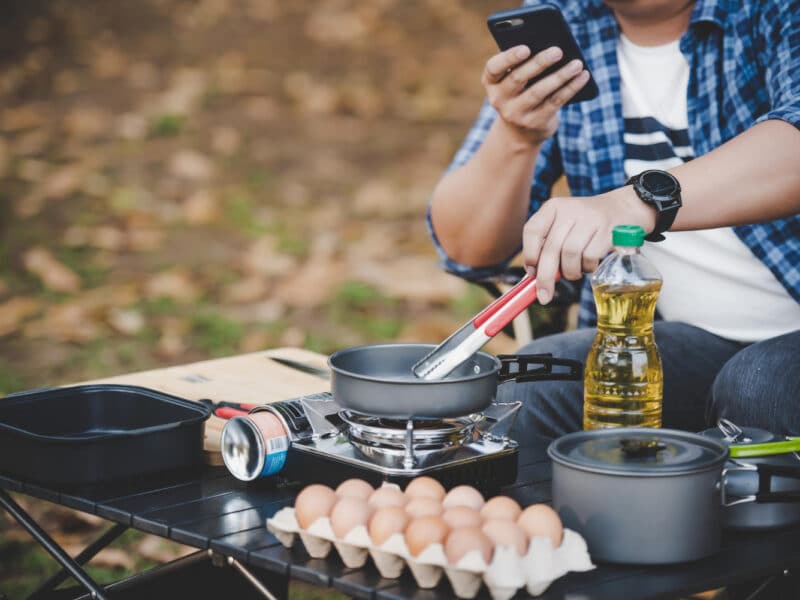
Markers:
765,474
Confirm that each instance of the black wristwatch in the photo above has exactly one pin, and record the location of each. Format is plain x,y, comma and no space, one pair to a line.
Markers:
662,191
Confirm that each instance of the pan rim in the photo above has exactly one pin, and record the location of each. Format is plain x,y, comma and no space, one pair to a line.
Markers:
372,378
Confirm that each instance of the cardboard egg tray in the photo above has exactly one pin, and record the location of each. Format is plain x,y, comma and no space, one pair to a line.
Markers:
504,576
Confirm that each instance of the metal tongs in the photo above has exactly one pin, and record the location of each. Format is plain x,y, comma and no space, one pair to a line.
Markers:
472,336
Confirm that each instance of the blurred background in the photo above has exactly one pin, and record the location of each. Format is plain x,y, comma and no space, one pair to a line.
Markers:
185,179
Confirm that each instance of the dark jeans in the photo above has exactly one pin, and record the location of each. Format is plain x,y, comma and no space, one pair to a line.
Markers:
705,377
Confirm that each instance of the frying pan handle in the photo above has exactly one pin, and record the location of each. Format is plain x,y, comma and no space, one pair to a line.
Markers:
765,473
522,368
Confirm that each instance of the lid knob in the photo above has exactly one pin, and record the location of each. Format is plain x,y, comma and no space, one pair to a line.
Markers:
641,447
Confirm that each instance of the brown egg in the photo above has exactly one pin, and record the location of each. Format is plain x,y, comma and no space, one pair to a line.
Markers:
463,495
425,487
539,520
313,502
348,513
354,488
503,532
424,507
423,532
385,522
501,507
462,516
463,541
387,496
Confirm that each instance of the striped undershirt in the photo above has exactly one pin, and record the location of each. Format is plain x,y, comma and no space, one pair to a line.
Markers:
711,278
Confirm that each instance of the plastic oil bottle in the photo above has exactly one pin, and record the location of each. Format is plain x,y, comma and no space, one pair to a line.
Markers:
623,380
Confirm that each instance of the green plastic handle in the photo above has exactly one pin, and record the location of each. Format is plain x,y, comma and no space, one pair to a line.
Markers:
766,449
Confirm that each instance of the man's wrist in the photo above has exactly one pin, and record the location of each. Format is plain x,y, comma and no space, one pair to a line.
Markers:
636,212
516,141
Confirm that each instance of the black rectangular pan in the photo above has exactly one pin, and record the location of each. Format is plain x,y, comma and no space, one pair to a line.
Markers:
97,433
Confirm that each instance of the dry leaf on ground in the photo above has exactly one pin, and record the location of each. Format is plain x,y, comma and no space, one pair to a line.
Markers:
201,208
114,558
262,258
22,117
244,291
85,122
172,341
160,550
414,278
53,274
191,165
126,321
15,311
176,284
68,322
312,285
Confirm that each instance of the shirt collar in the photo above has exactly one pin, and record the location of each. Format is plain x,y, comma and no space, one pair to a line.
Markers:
709,11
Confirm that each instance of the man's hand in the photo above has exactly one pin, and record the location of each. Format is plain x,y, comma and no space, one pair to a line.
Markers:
531,113
574,234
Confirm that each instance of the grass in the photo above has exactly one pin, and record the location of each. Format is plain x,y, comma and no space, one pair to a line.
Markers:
240,213
167,125
82,261
24,565
10,381
216,335
360,307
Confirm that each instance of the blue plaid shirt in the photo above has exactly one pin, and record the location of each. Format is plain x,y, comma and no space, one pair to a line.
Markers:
744,62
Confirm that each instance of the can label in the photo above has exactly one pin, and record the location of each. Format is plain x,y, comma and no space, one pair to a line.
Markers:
276,441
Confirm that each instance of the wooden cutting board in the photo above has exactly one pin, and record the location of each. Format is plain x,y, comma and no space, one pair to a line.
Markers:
246,378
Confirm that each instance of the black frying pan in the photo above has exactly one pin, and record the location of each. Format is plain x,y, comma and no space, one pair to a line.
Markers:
377,380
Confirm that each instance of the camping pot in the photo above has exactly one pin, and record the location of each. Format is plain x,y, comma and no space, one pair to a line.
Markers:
638,495
761,481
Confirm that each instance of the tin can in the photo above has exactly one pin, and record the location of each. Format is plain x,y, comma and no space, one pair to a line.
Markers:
254,445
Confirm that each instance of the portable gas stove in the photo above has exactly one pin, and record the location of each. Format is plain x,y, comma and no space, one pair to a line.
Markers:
330,445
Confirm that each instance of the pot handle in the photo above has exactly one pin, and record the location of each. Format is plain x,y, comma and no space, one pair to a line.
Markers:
522,368
764,494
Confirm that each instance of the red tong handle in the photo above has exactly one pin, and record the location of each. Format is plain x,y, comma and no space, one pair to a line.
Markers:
224,412
487,312
499,314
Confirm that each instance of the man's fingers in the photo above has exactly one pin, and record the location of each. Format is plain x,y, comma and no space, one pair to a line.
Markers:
534,234
539,91
549,260
572,252
596,250
518,78
560,97
499,65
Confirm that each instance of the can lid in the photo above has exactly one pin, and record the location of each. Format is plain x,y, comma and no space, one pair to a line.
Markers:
628,235
242,448
638,451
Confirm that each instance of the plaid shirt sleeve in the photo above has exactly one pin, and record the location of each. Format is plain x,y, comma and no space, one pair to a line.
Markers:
780,32
547,170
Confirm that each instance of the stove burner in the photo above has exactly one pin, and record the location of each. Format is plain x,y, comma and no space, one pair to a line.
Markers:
410,440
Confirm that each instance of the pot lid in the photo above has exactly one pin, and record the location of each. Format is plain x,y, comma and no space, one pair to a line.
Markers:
638,451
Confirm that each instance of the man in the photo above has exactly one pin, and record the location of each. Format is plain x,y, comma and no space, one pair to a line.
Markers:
709,93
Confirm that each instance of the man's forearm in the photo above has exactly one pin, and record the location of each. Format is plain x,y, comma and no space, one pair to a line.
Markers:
478,210
754,177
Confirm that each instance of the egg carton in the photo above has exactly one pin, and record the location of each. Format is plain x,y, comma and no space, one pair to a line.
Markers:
504,575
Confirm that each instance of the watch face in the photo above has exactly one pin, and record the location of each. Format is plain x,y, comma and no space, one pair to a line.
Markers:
659,183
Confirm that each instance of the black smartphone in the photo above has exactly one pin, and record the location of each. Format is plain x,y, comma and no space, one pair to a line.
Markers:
540,27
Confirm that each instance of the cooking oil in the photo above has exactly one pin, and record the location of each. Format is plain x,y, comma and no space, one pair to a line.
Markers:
623,381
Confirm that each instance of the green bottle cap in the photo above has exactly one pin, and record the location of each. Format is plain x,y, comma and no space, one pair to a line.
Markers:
627,235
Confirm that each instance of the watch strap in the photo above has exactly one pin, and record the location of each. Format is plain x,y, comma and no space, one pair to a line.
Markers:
664,218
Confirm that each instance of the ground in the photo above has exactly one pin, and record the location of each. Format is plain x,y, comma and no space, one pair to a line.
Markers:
185,179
